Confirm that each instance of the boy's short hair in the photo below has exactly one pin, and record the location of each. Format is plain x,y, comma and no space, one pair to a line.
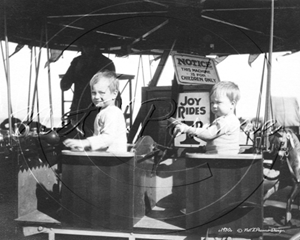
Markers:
110,76
230,89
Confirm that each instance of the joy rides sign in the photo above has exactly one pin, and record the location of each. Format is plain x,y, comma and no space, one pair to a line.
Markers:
193,107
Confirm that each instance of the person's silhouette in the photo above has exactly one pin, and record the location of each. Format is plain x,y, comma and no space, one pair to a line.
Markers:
82,69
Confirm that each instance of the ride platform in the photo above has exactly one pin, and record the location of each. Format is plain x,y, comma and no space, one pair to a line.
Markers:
97,193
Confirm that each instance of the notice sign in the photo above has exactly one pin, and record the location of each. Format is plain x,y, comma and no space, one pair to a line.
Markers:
191,69
192,108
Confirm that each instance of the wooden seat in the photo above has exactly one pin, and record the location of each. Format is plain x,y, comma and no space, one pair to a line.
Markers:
103,190
230,196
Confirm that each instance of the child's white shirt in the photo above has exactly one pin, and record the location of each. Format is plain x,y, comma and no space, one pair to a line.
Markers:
109,131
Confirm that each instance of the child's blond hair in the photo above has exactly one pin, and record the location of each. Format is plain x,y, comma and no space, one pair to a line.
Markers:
230,89
110,76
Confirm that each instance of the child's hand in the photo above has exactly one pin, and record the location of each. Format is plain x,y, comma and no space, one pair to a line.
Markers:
76,145
180,128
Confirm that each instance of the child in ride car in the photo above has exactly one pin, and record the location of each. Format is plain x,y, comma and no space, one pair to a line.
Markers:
109,126
222,135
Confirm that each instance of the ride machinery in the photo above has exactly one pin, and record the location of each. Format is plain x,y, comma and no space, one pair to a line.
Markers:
162,188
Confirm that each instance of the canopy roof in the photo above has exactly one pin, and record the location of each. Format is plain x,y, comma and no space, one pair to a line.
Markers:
148,27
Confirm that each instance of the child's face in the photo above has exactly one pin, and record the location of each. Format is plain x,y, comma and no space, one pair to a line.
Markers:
221,105
101,95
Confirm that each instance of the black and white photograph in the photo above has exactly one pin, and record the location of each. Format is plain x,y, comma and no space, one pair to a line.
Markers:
150,119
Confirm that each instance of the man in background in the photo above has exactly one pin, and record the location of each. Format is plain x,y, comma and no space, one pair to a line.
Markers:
81,71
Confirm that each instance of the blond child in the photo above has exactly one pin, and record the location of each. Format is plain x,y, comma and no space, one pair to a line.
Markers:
109,126
222,135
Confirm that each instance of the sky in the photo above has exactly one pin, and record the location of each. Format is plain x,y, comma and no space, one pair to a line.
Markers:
285,76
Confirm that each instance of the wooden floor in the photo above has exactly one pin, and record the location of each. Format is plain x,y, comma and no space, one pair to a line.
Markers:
12,230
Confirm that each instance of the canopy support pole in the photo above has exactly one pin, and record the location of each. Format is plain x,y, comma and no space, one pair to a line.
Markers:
29,88
7,71
49,81
136,84
37,67
269,66
161,65
260,92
